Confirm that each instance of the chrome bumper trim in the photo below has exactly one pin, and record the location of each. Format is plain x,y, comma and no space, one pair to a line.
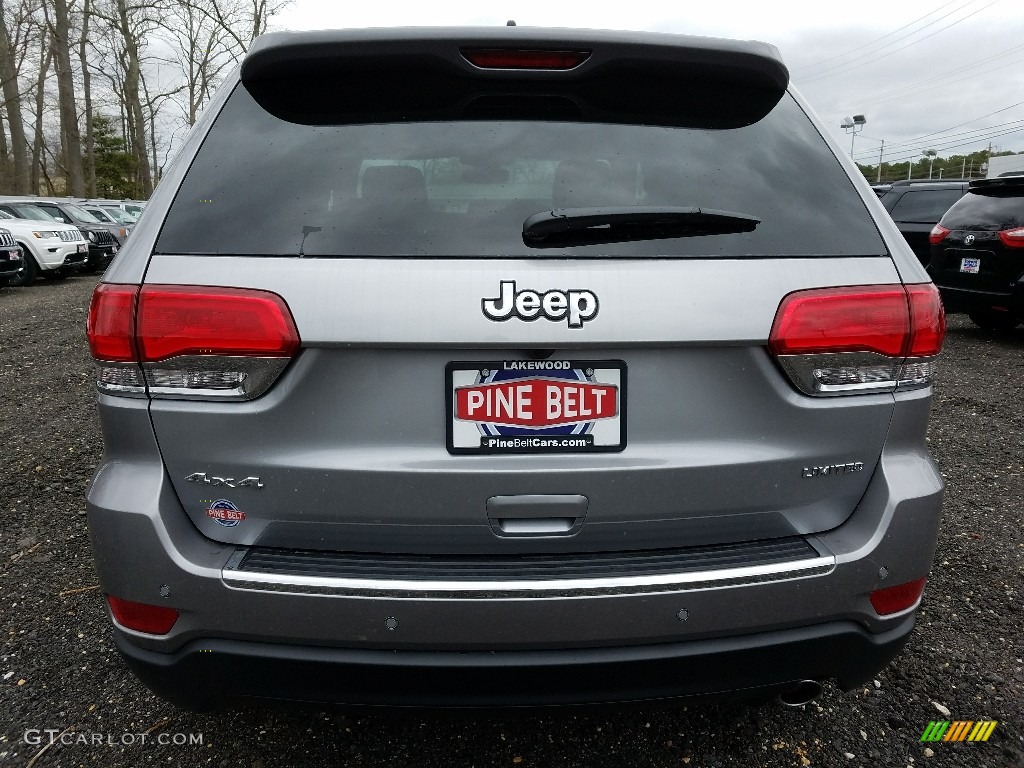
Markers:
536,589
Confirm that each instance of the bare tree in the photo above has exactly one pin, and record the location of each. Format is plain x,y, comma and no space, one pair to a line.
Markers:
90,144
45,57
241,20
134,21
154,103
9,71
203,51
60,29
152,63
5,157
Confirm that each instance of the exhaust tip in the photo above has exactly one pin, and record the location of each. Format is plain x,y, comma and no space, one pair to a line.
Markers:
801,693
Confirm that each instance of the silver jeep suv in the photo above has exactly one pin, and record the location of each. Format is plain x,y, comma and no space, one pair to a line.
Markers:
496,367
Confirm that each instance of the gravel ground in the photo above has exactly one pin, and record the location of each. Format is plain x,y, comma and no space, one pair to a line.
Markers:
58,668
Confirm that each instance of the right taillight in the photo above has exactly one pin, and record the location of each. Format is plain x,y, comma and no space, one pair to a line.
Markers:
835,341
193,342
938,234
1013,238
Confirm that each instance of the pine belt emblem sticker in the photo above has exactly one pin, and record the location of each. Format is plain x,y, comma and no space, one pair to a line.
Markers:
225,513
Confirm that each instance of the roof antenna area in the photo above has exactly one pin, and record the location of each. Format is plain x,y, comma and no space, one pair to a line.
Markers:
510,23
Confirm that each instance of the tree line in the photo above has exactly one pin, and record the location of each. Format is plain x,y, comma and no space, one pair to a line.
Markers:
970,166
96,93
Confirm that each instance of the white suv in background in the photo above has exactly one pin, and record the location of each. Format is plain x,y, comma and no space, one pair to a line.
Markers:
52,249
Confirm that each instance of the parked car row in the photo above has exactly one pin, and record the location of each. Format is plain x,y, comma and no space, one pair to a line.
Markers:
917,205
969,235
54,237
977,253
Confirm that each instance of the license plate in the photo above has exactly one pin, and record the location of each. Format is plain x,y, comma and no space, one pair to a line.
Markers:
536,406
83,247
13,255
970,265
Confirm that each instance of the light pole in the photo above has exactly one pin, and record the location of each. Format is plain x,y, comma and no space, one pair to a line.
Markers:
881,150
930,154
852,125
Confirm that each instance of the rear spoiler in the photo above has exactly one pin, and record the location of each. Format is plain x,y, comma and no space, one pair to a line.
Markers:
1015,183
409,74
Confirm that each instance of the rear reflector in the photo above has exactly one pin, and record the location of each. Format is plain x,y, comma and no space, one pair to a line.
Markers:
496,58
938,234
1013,238
898,598
852,339
192,341
151,619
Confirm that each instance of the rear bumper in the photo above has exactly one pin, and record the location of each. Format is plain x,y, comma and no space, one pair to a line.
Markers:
100,256
59,256
329,638
207,672
964,300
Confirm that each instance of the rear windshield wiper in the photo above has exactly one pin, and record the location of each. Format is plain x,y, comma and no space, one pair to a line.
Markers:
618,224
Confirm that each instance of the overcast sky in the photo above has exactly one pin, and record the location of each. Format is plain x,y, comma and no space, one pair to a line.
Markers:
926,74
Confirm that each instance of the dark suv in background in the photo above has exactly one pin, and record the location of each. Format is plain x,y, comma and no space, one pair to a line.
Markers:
978,253
916,205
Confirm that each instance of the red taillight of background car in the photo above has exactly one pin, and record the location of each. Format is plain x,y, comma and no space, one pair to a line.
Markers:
498,58
899,598
859,338
189,341
1013,238
938,234
151,619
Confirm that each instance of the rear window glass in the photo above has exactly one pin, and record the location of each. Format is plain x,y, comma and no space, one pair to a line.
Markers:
987,212
263,186
924,205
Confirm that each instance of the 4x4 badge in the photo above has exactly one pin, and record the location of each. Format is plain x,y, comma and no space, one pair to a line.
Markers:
576,306
228,482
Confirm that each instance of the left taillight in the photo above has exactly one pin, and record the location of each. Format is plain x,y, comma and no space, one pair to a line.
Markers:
111,334
938,234
848,340
193,342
